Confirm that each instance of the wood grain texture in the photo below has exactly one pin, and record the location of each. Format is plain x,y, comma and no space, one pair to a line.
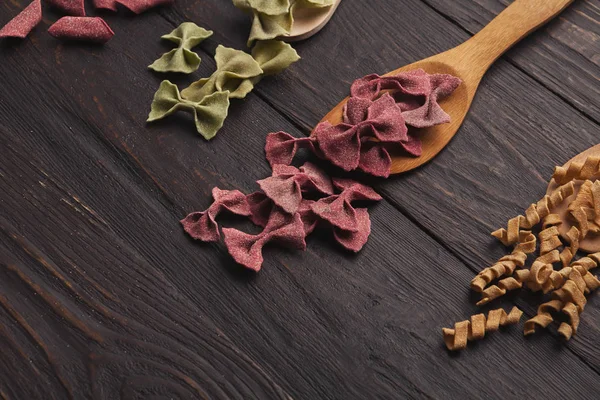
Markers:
564,56
493,169
523,141
468,61
103,296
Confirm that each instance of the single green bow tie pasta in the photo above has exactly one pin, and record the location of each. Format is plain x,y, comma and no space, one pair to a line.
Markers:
270,18
267,7
238,72
274,18
209,113
274,56
182,59
267,27
235,69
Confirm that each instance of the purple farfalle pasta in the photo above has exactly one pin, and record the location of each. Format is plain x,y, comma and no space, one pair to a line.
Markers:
375,160
338,210
364,120
381,119
430,113
90,29
260,208
286,185
317,179
340,145
416,92
282,228
375,121
203,226
412,83
355,241
308,216
351,227
24,22
281,147
358,190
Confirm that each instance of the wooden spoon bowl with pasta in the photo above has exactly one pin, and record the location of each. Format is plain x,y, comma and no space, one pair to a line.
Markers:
469,62
591,243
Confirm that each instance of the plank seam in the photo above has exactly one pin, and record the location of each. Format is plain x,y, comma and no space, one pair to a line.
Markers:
511,62
466,263
388,199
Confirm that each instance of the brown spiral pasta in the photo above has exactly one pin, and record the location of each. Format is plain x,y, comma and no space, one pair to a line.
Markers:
533,215
575,235
572,296
550,239
539,276
549,236
582,267
572,291
567,330
504,267
500,289
543,317
577,170
581,208
568,285
541,270
573,283
476,328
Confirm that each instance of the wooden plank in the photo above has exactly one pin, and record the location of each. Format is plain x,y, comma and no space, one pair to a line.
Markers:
69,332
129,299
497,165
321,324
563,56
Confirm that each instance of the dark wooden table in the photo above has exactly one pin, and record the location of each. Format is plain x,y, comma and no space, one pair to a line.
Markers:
102,295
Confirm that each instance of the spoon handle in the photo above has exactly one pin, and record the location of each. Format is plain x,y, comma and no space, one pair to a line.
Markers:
514,23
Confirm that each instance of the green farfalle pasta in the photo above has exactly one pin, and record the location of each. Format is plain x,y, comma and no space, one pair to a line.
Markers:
209,113
274,18
235,70
267,27
273,56
238,71
182,59
267,7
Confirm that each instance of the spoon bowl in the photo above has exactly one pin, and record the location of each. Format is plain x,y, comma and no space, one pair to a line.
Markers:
469,62
309,21
591,243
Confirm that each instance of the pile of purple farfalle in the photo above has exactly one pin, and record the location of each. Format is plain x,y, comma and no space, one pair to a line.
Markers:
293,201
377,117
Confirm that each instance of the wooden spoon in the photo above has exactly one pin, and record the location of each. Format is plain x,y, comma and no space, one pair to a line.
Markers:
591,243
468,61
309,21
